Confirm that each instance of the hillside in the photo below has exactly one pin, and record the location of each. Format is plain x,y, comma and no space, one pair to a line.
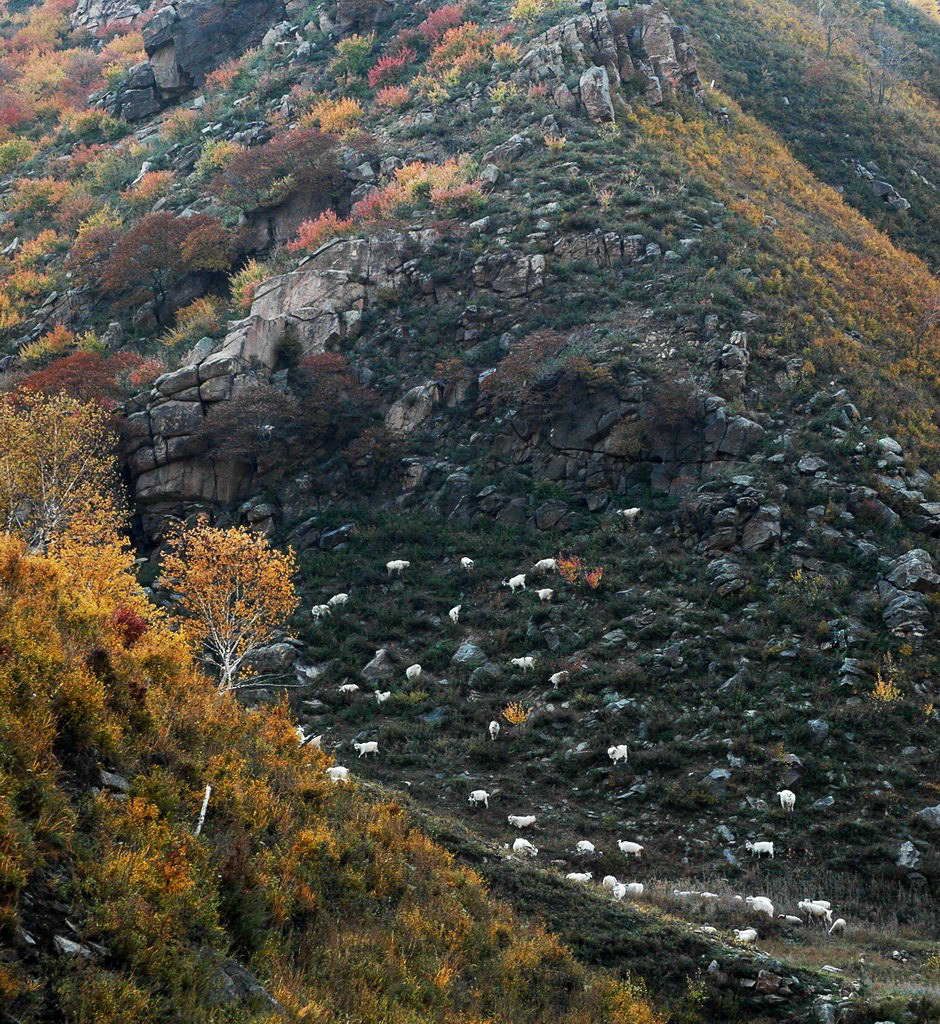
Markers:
430,283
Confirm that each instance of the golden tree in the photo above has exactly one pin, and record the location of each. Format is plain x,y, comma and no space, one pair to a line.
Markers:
235,591
57,463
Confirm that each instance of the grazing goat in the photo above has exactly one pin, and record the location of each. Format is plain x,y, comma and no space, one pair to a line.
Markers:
635,888
397,566
546,594
559,677
319,610
521,820
610,882
585,847
349,688
467,563
338,599
454,613
760,849
707,929
790,919
629,849
578,876
619,891
382,696
372,747
745,934
479,796
527,664
761,905
838,926
619,752
338,773
787,799
314,741
545,565
628,515
524,846
515,582
413,672
493,729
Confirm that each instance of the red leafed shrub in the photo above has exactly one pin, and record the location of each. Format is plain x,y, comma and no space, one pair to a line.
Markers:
438,22
87,376
266,175
391,67
313,233
129,624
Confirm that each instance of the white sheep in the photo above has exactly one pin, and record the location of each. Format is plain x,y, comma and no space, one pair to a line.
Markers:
467,563
619,891
760,849
479,796
527,664
585,848
609,881
318,611
524,846
559,677
413,672
578,876
397,566
381,696
371,747
761,905
493,729
348,688
816,910
619,752
521,820
338,599
787,799
338,773
790,919
635,888
838,926
707,929
745,934
546,594
628,515
454,613
629,849
515,582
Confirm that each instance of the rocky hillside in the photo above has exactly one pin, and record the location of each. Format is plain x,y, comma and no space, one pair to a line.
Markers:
431,283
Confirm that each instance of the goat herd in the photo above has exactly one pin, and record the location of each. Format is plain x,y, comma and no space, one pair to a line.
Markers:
815,911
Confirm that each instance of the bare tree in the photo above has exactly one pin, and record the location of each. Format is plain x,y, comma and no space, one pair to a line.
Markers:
890,59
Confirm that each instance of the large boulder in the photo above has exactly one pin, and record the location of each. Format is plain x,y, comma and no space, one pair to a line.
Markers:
595,94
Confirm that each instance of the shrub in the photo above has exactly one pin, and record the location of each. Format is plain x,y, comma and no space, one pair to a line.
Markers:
393,96
391,68
87,377
14,151
92,124
242,284
335,115
438,22
201,317
353,55
313,233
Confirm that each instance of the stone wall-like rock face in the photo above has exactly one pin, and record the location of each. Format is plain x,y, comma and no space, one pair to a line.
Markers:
92,14
317,306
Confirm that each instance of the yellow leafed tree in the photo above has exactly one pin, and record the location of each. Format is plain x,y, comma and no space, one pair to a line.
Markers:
235,591
56,464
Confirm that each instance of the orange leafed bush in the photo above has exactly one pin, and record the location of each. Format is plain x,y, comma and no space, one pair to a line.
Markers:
313,233
438,22
393,96
335,116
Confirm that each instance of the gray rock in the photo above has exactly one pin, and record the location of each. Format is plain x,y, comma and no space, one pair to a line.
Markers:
468,653
819,730
929,816
914,571
811,464
594,89
824,802
66,947
717,777
111,780
380,667
908,857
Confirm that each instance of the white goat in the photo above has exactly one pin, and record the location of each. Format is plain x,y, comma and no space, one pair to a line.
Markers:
609,881
524,846
628,515
545,565
527,664
319,610
454,613
349,688
761,905
707,929
585,848
338,599
787,799
479,796
838,926
372,747
413,672
760,849
467,563
619,891
578,876
629,849
515,582
619,752
521,820
559,677
314,741
635,888
338,773
745,934
546,594
382,696
790,919
397,566
493,729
